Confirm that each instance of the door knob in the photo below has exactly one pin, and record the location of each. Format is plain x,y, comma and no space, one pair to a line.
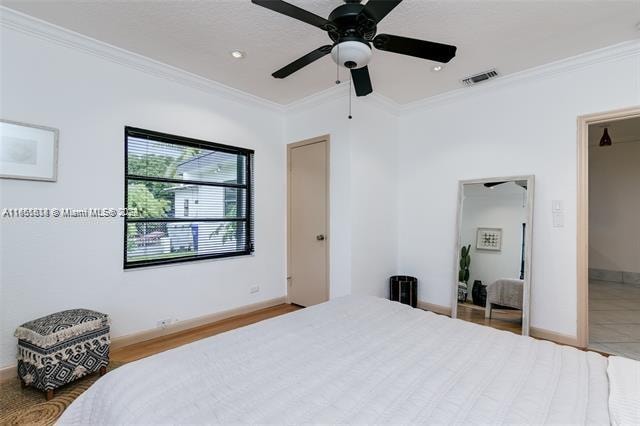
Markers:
320,237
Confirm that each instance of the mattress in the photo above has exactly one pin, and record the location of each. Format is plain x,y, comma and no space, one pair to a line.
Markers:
354,360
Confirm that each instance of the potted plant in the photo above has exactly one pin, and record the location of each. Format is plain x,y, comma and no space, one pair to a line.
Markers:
463,273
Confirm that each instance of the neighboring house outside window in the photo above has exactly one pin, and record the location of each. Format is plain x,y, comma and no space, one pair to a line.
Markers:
212,184
230,202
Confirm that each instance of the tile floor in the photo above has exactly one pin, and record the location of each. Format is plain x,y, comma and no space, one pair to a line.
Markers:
614,318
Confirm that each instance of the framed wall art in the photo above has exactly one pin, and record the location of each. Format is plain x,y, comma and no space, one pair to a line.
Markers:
28,151
489,239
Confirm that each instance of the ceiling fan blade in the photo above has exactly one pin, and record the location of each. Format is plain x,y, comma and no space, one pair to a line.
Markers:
378,9
296,13
361,81
419,48
302,62
492,184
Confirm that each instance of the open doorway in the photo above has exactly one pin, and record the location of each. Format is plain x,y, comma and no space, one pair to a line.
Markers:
611,281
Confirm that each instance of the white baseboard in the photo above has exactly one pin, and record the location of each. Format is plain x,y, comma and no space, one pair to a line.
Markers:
538,333
438,309
141,336
9,372
563,339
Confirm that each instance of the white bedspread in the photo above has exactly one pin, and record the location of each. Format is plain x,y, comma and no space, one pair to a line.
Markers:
355,360
624,391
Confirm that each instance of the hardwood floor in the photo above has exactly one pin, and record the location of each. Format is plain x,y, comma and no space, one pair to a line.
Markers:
170,341
502,319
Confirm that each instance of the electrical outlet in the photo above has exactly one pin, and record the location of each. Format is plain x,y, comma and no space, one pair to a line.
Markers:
254,289
164,323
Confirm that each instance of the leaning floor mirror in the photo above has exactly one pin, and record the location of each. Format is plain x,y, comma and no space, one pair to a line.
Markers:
493,261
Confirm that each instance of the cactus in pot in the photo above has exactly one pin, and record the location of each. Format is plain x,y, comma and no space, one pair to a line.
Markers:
463,273
465,261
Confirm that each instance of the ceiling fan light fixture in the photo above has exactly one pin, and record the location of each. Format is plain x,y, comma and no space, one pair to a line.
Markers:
352,54
237,54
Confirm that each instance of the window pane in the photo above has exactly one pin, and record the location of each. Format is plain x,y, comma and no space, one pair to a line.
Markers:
159,200
173,240
150,158
183,191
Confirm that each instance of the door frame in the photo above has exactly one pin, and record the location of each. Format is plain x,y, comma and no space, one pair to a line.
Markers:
582,253
319,139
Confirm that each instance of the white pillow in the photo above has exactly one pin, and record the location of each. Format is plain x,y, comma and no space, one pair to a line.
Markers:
624,390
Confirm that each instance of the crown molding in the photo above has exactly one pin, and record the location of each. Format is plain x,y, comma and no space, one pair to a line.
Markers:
584,60
606,54
35,27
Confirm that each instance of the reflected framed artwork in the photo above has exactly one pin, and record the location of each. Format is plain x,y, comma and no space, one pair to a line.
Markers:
28,151
489,239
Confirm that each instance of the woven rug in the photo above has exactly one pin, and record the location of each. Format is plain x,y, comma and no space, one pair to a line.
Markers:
28,406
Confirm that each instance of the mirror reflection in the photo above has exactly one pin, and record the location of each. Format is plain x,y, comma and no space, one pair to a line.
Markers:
492,276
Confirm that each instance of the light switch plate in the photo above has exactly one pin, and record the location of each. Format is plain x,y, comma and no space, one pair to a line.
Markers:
558,220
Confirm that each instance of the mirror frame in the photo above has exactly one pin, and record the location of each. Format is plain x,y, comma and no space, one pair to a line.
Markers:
526,296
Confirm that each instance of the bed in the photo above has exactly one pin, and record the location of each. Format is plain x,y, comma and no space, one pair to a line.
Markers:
355,360
504,293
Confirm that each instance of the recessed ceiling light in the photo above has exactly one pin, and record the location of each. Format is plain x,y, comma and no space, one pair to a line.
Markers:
437,68
237,54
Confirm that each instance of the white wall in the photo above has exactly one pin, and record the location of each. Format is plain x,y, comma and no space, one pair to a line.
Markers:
319,120
494,209
614,207
50,265
363,180
524,127
393,185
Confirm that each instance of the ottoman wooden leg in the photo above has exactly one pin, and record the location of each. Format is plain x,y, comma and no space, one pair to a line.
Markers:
23,384
103,370
49,395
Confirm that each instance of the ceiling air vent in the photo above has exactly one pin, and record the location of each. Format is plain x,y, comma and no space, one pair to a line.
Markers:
479,78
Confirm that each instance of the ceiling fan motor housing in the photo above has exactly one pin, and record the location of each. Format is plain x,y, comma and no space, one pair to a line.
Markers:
352,35
351,54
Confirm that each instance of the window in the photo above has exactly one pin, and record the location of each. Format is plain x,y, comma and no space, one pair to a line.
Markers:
230,201
193,199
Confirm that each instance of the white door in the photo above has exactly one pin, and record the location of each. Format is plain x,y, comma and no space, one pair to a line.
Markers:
308,239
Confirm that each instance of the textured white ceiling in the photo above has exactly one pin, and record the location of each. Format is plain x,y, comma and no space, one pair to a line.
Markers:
197,36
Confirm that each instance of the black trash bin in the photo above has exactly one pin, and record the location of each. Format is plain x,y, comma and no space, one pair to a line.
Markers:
404,289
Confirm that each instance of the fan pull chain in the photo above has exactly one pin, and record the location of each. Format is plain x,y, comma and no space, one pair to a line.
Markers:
338,80
350,117
338,67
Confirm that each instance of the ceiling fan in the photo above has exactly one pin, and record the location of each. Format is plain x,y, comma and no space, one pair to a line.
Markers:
521,183
352,29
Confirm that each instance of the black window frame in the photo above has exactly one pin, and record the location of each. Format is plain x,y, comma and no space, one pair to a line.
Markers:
248,185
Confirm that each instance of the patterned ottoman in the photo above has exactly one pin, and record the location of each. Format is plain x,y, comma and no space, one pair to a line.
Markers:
61,347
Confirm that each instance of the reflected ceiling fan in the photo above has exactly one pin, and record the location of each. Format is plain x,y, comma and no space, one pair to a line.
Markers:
521,183
352,29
